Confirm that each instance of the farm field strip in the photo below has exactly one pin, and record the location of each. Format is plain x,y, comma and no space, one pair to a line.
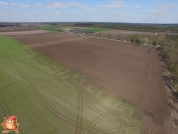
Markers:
23,32
99,29
49,98
56,28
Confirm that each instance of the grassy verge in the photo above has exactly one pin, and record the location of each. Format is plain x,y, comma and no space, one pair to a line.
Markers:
49,98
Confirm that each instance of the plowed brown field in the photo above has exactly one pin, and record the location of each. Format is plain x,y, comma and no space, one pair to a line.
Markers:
132,72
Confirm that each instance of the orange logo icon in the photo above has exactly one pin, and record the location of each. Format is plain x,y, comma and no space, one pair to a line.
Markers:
10,124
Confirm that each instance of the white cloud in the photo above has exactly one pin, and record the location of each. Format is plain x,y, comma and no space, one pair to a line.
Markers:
154,11
15,11
166,6
158,12
62,5
135,11
75,4
13,4
110,11
162,9
91,9
3,3
138,7
115,4
56,5
25,6
57,13
39,5
168,13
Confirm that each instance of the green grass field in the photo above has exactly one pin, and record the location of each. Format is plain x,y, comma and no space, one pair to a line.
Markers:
48,98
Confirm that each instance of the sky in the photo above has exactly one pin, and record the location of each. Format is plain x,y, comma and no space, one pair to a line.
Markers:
130,11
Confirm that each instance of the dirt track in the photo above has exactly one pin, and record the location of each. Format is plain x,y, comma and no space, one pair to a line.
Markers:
132,72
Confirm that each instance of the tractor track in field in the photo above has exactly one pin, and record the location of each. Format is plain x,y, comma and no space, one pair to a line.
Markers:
79,122
94,122
100,114
5,109
104,131
105,115
42,60
109,113
121,119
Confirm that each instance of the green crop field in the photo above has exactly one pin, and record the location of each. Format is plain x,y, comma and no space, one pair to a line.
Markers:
57,28
50,28
99,29
48,98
